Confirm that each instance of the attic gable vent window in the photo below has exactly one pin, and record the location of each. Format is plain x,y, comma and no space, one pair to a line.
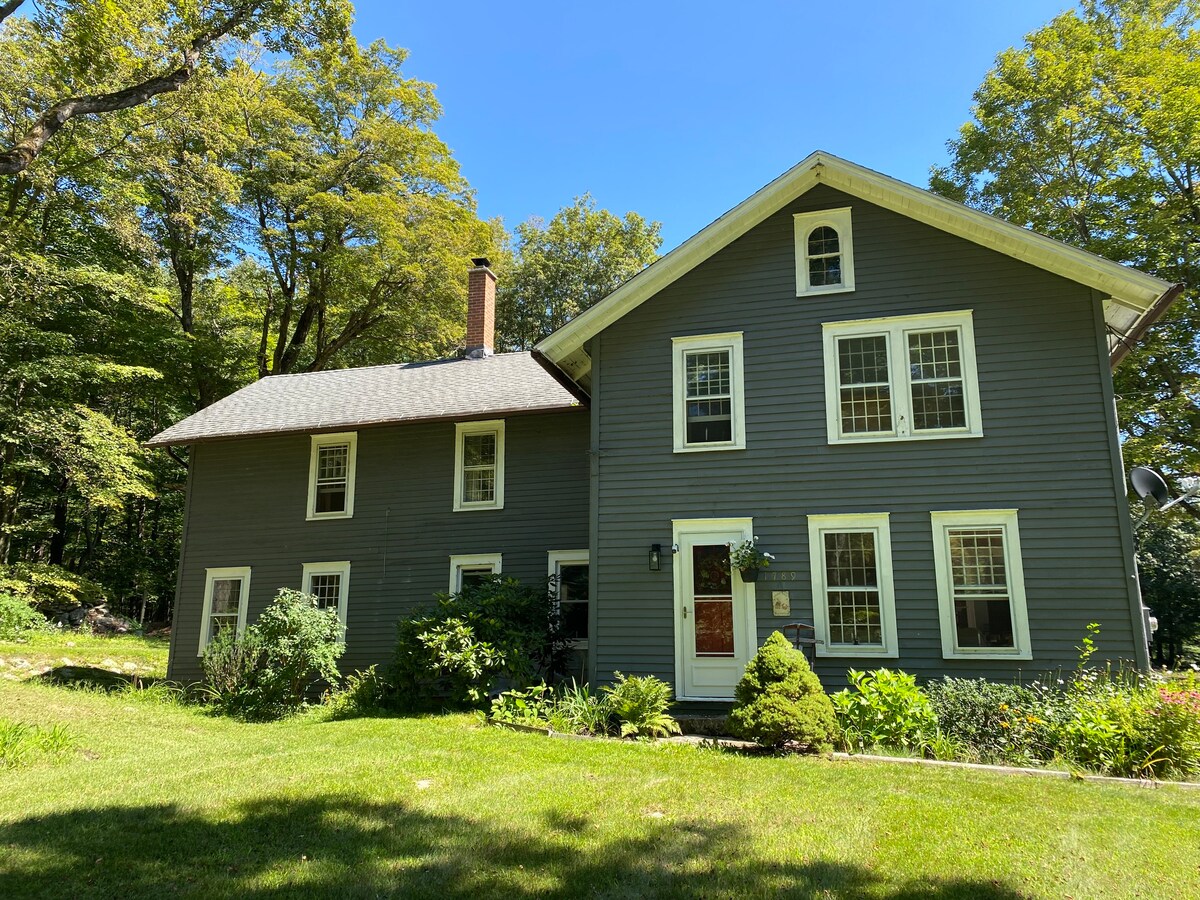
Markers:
824,252
331,476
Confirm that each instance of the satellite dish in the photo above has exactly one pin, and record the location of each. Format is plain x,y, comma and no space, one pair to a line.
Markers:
1150,486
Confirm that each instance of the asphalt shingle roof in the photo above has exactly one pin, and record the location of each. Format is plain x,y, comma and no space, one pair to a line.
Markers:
504,384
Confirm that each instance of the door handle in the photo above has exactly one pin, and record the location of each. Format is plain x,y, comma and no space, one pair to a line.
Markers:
685,612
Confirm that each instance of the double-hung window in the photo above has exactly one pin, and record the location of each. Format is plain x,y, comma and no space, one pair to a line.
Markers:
709,393
331,476
479,465
330,584
824,252
226,596
472,568
569,583
901,378
854,607
981,586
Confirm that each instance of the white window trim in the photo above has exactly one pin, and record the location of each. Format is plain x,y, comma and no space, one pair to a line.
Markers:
557,558
212,575
461,429
981,518
839,221
879,523
330,568
471,561
322,440
680,347
896,328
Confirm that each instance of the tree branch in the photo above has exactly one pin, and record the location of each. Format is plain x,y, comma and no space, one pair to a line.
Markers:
22,154
7,9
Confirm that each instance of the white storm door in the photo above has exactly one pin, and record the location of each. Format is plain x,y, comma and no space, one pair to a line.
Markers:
715,623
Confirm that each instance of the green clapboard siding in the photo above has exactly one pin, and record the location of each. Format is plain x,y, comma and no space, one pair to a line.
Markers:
1047,450
247,508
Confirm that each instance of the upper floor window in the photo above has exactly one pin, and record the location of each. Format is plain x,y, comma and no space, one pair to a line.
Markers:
479,465
226,597
901,378
981,586
709,396
330,584
824,252
854,606
469,569
331,476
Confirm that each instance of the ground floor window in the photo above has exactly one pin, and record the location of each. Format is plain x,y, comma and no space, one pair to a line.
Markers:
981,586
468,569
330,583
853,601
226,596
569,582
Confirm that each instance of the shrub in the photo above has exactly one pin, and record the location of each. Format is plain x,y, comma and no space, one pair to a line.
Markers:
571,710
267,672
363,693
493,631
989,721
18,617
640,706
780,700
884,708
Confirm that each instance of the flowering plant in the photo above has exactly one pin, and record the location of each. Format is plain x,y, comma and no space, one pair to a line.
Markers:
746,555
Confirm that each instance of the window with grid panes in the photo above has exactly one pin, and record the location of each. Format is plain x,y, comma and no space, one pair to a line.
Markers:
479,465
331,476
708,393
895,379
824,252
824,257
853,601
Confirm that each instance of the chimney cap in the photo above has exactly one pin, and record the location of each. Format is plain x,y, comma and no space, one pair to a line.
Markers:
480,262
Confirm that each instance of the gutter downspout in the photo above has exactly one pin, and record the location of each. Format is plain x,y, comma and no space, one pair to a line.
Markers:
1153,314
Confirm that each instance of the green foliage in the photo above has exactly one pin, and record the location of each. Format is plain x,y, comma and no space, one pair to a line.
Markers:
21,743
570,709
640,704
780,700
1168,555
563,267
991,722
18,618
497,629
1087,133
48,587
268,671
363,693
884,708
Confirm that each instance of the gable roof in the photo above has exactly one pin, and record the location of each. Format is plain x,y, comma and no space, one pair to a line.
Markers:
1134,298
341,399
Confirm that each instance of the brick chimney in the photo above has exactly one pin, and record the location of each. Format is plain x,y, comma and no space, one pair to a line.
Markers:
481,309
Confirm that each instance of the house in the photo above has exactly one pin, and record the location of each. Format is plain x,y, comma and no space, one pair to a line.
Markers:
908,402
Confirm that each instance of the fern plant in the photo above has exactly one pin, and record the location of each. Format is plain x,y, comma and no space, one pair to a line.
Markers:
640,705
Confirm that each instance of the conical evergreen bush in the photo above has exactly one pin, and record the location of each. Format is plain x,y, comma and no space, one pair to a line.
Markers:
780,700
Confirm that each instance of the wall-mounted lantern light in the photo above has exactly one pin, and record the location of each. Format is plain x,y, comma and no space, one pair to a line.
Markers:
656,557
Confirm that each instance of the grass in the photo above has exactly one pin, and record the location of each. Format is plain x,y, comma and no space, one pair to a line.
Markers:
103,660
172,802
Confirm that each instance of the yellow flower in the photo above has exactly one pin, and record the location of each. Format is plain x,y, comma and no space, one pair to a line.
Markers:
1003,707
1003,724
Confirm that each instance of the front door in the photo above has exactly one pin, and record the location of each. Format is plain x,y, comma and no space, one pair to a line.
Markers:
715,630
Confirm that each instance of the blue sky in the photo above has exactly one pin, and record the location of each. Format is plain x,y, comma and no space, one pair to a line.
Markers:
681,110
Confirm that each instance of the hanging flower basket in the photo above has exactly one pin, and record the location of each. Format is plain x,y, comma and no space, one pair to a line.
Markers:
748,559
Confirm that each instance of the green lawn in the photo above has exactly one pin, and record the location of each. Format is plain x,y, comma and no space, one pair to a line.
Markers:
164,801
83,657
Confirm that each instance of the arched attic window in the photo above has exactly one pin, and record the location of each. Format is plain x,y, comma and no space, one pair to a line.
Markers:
824,252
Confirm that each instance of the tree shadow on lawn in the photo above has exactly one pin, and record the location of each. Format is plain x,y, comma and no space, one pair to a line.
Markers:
331,846
93,678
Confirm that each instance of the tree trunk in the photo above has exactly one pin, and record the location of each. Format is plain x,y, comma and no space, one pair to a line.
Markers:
58,539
